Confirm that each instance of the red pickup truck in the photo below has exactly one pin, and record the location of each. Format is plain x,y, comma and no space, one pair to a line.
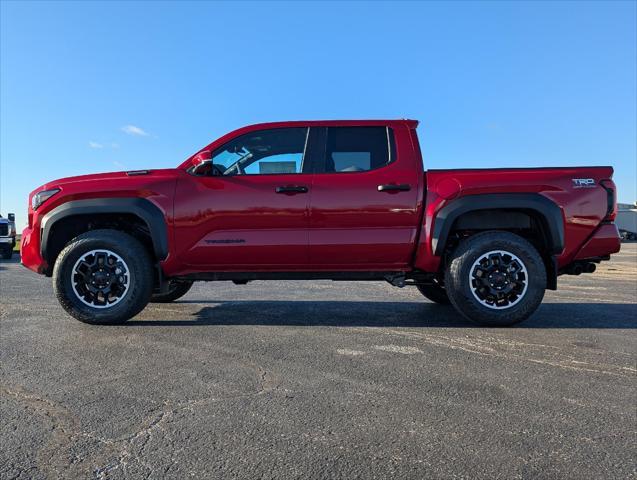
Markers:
340,200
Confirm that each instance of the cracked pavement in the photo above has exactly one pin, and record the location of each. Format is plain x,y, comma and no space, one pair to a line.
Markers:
320,379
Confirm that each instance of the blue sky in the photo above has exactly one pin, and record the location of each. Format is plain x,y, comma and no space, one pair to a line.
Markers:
90,87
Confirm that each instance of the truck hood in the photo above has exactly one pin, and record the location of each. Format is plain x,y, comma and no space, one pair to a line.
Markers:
135,176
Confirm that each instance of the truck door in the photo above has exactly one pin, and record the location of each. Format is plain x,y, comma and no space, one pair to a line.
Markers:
248,209
364,202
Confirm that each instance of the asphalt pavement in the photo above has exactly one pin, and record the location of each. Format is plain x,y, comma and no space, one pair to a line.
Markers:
321,380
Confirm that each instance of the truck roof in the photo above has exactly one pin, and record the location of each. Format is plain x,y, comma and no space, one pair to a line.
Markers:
332,123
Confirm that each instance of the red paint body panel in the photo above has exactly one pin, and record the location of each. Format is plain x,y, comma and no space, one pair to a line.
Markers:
354,226
158,187
604,241
239,223
343,223
583,208
30,251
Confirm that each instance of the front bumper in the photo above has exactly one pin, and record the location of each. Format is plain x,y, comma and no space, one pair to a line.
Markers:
605,240
4,240
30,251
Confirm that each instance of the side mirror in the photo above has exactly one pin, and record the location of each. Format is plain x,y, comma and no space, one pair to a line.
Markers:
202,157
11,217
201,163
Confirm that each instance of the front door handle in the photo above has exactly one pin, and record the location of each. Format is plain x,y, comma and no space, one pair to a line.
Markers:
291,190
403,187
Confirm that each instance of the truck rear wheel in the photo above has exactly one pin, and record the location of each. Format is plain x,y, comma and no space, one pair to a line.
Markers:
103,277
496,278
176,289
436,293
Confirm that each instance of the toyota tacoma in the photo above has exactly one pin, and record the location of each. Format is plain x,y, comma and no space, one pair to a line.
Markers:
339,200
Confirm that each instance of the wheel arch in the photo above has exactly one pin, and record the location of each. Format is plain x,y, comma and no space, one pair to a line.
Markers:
530,203
143,211
504,211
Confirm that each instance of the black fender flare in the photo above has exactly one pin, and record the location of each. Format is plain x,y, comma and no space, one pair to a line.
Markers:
144,209
546,208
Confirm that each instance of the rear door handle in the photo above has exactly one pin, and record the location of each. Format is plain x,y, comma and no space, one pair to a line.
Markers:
291,190
403,187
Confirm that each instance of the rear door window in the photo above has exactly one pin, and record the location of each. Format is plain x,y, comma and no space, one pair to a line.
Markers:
357,149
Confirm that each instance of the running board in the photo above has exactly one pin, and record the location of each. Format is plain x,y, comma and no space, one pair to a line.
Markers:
396,278
336,276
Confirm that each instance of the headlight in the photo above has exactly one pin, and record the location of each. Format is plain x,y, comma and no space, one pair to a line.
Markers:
41,197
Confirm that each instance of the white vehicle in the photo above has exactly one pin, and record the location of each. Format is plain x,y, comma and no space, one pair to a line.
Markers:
627,221
7,236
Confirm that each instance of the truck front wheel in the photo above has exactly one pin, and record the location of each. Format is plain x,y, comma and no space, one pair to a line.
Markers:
103,277
495,278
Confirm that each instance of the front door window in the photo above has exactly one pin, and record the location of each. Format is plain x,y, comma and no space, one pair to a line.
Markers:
264,152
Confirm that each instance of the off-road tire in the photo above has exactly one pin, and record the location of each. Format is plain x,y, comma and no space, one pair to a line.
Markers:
176,289
7,253
459,288
141,278
435,293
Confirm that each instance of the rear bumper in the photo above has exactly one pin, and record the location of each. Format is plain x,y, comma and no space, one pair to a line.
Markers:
30,251
605,240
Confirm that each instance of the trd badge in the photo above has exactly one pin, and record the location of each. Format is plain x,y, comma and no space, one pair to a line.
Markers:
583,182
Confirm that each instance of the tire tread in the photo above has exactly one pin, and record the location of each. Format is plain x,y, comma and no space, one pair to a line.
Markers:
138,260
459,291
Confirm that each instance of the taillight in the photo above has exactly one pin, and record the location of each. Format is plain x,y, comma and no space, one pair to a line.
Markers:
611,199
